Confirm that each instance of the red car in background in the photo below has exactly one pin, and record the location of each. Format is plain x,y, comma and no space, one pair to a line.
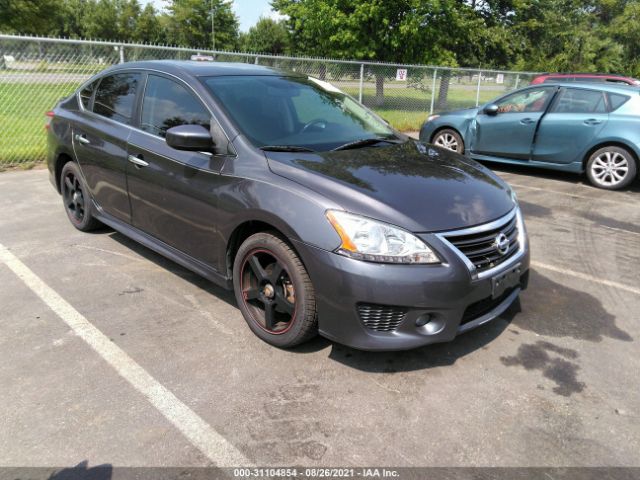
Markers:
585,77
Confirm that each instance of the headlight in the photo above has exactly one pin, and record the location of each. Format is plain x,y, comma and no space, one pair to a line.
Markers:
432,117
373,241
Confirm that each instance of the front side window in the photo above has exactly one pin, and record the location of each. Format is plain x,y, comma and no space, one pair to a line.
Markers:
575,100
295,111
116,96
168,104
532,100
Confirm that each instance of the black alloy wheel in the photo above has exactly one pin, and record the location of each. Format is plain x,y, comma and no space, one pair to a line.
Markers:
274,291
76,199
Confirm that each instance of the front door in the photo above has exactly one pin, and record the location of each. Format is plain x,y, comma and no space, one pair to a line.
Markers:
510,132
572,122
100,141
173,193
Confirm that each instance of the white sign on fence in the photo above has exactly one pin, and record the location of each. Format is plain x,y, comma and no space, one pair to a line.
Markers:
401,74
500,78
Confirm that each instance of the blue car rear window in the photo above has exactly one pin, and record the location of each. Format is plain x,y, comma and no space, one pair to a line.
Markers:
616,100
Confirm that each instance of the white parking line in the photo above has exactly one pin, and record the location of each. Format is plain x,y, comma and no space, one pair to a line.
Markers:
213,445
585,276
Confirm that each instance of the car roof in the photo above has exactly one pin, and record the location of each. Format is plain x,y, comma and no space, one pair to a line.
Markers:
583,74
609,87
204,68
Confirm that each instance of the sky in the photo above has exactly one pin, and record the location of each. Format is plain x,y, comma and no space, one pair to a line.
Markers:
248,11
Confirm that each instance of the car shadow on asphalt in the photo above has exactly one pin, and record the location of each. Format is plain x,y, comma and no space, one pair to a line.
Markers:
82,471
541,316
556,175
426,357
421,358
170,266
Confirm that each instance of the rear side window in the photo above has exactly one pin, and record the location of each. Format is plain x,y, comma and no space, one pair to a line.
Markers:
616,100
85,94
116,96
168,104
574,100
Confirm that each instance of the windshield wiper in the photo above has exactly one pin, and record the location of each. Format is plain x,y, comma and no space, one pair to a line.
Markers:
363,142
285,148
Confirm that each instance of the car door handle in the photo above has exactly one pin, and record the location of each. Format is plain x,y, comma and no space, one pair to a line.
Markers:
138,161
592,121
527,121
82,139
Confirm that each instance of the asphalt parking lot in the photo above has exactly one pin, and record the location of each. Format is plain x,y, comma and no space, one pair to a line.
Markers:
135,361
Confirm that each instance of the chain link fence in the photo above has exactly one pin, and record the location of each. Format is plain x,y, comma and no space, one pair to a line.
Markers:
36,72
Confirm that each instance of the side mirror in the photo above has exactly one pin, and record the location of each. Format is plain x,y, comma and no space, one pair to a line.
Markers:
491,109
193,138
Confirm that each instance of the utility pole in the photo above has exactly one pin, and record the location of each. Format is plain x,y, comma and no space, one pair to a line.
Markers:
213,30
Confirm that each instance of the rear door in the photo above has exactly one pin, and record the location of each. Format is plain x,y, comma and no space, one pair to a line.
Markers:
173,193
510,132
100,140
575,118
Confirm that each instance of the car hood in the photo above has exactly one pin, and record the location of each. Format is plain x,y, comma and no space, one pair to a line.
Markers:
465,112
415,186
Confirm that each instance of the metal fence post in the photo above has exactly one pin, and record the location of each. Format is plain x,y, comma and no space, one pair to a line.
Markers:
478,90
517,82
256,62
361,82
121,48
433,91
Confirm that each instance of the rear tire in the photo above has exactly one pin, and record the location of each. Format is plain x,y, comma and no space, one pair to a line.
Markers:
449,139
611,168
76,198
274,291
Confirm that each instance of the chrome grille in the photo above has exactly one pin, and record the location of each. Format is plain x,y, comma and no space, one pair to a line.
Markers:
480,246
381,318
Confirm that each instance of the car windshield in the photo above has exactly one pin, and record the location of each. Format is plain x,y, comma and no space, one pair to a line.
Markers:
304,113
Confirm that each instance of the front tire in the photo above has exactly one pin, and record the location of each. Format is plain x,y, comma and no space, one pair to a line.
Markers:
76,198
449,139
611,168
274,291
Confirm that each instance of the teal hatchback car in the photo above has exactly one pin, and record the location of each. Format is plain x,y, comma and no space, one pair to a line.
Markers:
592,128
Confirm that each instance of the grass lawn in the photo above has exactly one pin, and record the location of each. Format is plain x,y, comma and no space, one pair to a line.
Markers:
23,105
407,108
22,119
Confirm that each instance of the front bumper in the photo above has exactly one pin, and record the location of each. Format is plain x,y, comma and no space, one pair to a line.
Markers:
454,299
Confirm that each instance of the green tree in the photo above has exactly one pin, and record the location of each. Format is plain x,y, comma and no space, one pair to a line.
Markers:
128,12
31,17
623,27
190,24
101,20
443,32
148,27
266,36
70,17
563,35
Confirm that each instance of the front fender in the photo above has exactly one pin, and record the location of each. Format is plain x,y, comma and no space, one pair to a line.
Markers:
284,205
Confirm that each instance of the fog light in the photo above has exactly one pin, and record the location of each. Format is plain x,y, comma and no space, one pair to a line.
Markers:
430,324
